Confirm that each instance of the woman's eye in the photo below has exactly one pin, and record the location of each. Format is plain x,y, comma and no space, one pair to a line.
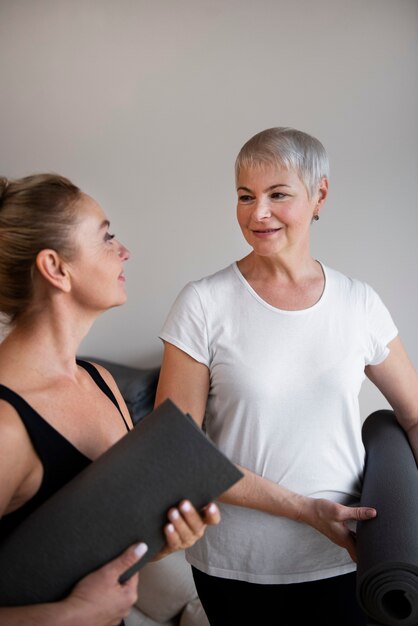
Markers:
245,198
109,237
277,195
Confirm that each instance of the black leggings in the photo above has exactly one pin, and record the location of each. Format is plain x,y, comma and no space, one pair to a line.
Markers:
327,602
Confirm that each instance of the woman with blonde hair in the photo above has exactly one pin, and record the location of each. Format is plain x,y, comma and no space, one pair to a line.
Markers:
60,268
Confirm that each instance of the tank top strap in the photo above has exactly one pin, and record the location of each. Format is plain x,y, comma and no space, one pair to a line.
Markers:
100,382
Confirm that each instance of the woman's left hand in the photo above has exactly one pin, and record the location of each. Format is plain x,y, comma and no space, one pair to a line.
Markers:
186,526
334,520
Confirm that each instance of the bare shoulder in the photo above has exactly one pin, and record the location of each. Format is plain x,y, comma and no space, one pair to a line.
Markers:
106,375
17,456
11,427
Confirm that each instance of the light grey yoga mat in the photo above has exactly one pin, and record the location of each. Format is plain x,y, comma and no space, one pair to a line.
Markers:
387,546
120,499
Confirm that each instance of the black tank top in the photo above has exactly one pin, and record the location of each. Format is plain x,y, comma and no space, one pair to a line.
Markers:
61,461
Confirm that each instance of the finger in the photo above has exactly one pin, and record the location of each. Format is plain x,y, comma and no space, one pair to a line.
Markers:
191,517
129,557
173,539
362,513
186,521
211,514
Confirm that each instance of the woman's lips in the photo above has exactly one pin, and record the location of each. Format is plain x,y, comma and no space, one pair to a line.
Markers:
265,232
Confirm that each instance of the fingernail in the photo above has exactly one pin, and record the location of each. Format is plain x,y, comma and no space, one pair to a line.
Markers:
212,508
170,528
186,506
140,549
371,513
174,514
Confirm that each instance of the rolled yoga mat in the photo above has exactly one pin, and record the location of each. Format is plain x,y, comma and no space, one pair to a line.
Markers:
387,546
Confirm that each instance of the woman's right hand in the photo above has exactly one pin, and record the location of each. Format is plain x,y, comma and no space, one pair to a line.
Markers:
99,598
187,526
96,600
333,520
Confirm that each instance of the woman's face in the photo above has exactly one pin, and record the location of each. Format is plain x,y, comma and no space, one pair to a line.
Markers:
97,277
274,210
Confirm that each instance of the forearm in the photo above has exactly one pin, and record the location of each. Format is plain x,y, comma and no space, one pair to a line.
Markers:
406,412
413,440
256,492
328,517
407,416
62,613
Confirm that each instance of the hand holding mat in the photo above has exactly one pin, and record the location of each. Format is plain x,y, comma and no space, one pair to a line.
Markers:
120,499
387,546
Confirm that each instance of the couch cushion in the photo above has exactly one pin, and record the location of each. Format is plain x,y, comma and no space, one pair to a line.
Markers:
137,618
137,385
194,615
165,587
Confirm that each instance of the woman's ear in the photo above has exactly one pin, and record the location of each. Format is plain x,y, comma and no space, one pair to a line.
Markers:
322,193
53,269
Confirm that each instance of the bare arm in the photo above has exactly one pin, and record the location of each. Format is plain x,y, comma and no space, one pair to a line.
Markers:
186,383
397,379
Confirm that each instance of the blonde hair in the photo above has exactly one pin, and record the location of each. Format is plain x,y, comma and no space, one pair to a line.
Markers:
36,212
289,148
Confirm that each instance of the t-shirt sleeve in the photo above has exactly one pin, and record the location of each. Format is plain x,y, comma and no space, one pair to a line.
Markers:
381,328
185,326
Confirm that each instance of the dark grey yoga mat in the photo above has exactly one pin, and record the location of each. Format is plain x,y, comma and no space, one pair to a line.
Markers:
387,546
120,499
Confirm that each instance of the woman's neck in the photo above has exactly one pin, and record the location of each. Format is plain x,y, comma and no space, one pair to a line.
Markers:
45,342
287,286
283,269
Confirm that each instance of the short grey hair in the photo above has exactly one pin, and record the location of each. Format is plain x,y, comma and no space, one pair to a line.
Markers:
289,148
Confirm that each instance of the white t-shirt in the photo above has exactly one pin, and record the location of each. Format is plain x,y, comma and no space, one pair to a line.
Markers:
283,402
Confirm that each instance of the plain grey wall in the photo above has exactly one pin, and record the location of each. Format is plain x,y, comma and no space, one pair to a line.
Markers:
146,104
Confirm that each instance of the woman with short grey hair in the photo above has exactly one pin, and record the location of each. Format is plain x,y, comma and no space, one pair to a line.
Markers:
269,355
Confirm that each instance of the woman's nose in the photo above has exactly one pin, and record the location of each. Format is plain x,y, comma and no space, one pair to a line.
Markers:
123,252
261,209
